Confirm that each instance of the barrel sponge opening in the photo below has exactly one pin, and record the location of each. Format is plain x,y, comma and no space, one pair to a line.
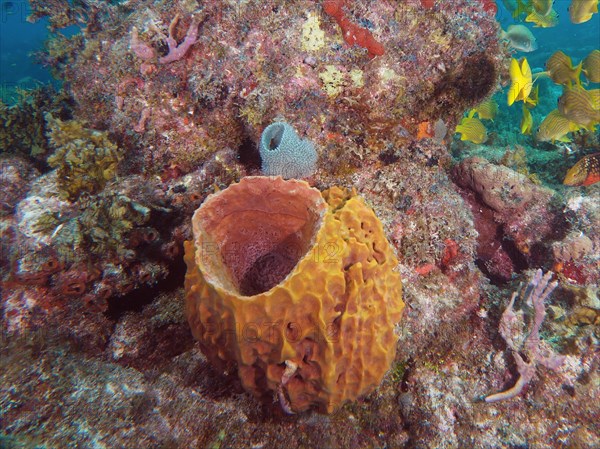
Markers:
252,234
296,288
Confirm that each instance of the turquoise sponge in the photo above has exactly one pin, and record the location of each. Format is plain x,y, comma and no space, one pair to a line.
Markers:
284,153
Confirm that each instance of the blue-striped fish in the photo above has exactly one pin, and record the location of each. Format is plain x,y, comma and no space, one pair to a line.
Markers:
542,21
560,68
542,7
555,127
590,66
580,106
471,129
581,11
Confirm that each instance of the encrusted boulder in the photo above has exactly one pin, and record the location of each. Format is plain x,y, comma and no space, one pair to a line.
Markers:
297,288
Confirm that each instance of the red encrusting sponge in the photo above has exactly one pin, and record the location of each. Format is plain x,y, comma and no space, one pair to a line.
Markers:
353,34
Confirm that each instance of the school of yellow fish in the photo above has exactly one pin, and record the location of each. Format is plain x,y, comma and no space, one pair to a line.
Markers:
542,14
577,108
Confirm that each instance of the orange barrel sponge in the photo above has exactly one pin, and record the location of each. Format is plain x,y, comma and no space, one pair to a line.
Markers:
295,287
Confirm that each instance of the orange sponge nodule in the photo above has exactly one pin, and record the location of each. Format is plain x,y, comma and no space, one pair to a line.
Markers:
295,287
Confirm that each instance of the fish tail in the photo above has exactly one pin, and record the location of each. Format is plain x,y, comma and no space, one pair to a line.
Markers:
539,75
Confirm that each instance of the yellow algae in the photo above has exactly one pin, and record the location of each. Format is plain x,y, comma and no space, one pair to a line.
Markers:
386,74
313,37
333,80
358,77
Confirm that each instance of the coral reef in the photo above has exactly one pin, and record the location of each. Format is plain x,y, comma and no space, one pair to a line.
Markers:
529,215
304,296
178,93
234,67
65,262
521,223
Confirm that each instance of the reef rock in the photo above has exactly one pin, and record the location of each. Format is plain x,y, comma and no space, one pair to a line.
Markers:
340,72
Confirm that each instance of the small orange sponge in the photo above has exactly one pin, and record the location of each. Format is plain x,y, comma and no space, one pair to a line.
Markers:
296,288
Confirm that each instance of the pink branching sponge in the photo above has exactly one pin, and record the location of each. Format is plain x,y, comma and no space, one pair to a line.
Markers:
536,292
178,51
141,49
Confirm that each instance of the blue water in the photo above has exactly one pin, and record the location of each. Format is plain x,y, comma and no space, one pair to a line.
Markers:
576,40
19,39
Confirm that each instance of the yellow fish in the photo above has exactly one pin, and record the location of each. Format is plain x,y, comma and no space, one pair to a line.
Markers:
486,110
561,70
521,84
582,10
542,7
471,129
579,106
555,127
526,121
591,66
595,96
542,21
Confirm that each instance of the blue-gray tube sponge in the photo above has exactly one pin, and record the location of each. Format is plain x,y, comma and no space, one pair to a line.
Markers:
285,154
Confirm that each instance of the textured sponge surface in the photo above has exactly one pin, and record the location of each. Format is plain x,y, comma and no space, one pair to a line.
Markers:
331,315
284,153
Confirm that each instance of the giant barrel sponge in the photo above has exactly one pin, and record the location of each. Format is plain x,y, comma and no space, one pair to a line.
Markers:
296,288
